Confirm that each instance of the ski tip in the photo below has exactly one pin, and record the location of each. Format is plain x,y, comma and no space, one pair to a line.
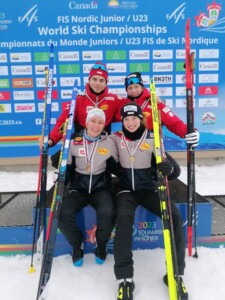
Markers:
32,269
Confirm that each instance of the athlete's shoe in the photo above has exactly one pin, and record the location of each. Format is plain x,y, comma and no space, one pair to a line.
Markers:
183,291
125,291
100,254
78,255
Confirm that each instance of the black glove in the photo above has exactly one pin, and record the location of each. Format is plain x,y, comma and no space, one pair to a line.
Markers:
165,167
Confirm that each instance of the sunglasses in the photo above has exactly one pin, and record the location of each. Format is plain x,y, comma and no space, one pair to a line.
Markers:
134,80
98,66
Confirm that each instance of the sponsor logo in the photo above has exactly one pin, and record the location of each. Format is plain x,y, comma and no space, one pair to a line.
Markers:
21,70
4,96
122,144
208,90
208,78
162,54
66,94
145,146
116,80
40,69
30,16
69,56
21,107
207,65
104,107
116,55
163,79
84,6
81,152
69,69
146,113
4,71
38,121
208,118
208,102
22,82
177,14
5,108
162,67
103,151
41,82
3,57
139,67
23,95
209,53
93,55
165,91
41,94
4,83
181,103
139,54
69,81
211,21
114,4
54,106
20,57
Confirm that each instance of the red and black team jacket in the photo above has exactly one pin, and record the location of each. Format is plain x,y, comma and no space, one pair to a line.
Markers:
110,103
168,118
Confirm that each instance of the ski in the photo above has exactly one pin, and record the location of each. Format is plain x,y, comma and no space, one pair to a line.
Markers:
191,195
168,234
43,286
44,155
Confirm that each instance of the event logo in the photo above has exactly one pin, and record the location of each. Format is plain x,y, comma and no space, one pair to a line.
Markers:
177,14
30,16
208,118
211,21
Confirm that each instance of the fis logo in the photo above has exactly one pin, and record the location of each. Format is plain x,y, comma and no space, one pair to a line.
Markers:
177,14
30,16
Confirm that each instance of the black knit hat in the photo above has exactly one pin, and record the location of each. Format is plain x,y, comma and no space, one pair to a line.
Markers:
134,78
131,109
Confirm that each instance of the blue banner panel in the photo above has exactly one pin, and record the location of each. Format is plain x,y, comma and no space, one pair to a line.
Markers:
126,35
147,233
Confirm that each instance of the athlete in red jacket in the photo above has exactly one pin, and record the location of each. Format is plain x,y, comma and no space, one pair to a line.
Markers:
137,93
96,94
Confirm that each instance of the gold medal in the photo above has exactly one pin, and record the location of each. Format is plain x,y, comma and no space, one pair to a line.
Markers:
132,158
88,168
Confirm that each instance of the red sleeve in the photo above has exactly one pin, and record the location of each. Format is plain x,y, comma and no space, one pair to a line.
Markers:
171,121
57,131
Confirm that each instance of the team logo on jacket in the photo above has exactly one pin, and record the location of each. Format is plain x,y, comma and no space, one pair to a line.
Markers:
81,152
103,151
145,146
146,113
104,107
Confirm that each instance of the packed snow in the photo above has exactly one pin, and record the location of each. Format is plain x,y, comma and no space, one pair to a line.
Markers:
204,277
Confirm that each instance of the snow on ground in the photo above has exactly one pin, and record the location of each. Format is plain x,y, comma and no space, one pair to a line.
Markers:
204,277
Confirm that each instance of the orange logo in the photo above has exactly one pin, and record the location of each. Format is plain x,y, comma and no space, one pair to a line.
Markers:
22,82
104,107
146,114
145,146
103,151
